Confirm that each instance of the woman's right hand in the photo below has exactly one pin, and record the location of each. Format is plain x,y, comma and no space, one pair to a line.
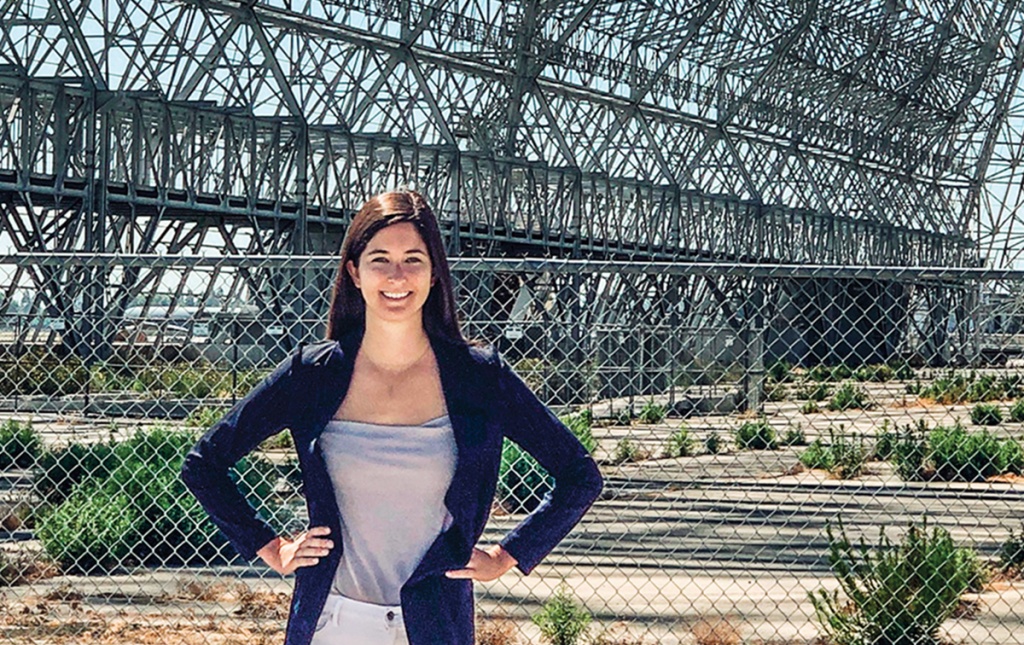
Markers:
285,555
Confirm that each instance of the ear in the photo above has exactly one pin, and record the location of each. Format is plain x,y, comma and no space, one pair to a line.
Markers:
353,272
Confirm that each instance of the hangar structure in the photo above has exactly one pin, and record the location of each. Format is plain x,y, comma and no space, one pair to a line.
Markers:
790,132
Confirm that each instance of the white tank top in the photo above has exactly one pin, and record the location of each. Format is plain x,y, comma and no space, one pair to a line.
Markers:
389,482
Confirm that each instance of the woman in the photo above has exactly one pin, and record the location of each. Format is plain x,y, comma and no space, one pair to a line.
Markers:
398,422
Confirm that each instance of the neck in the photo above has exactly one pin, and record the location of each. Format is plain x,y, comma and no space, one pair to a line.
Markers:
394,346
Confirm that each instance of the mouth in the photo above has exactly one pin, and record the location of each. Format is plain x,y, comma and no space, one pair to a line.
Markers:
396,295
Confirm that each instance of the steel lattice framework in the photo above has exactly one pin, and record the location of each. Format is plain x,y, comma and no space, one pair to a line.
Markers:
828,132
791,131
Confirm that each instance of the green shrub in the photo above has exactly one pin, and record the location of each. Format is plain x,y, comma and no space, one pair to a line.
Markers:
901,370
628,451
843,457
986,414
624,417
947,389
820,373
1012,456
1011,552
885,445
1017,412
280,441
756,435
679,444
714,444
204,417
809,407
776,392
985,388
779,372
20,445
94,530
841,372
894,595
60,470
849,397
794,436
581,425
814,392
562,621
522,482
873,373
1012,386
910,452
962,456
652,412
139,482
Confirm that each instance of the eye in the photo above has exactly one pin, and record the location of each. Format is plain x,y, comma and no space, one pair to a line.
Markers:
414,260
379,259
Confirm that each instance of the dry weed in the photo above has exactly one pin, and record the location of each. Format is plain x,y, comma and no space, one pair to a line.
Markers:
719,632
261,604
617,634
497,630
196,590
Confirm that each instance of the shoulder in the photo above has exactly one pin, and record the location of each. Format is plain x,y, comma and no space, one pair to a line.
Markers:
319,353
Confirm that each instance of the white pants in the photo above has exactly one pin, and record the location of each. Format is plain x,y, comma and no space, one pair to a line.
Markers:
344,621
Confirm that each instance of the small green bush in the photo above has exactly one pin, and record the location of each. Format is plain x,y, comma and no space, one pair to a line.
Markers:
809,407
948,389
885,444
901,370
756,435
20,445
624,417
60,470
581,425
962,456
874,374
794,436
562,621
841,372
94,530
779,371
714,443
820,373
628,451
1011,552
849,397
843,457
652,412
204,417
679,444
135,486
522,482
1012,456
814,392
910,452
1017,412
775,392
986,414
1012,386
894,595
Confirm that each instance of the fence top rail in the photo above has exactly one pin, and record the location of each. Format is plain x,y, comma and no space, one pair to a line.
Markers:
529,264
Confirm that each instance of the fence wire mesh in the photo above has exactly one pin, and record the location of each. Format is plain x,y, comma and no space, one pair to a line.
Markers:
791,454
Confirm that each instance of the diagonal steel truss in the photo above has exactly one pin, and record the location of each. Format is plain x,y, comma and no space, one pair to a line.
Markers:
792,131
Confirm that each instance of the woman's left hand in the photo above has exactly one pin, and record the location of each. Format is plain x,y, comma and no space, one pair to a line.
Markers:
485,565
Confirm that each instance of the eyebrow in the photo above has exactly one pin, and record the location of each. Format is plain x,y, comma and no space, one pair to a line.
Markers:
384,251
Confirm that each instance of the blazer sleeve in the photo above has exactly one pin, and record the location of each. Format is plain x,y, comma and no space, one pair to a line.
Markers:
529,423
263,412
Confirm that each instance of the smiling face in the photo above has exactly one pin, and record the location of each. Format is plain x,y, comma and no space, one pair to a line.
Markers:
394,273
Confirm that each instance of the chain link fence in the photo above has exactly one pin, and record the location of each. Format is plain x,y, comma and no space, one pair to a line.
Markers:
792,454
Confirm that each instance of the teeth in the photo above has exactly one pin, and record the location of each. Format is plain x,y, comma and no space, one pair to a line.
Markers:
396,295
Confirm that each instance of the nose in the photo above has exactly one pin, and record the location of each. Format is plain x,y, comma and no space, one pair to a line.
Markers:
397,272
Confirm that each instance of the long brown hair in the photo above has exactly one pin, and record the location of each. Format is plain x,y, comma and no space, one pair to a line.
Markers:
348,310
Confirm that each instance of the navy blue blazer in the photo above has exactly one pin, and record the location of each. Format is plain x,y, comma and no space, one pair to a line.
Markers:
486,402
